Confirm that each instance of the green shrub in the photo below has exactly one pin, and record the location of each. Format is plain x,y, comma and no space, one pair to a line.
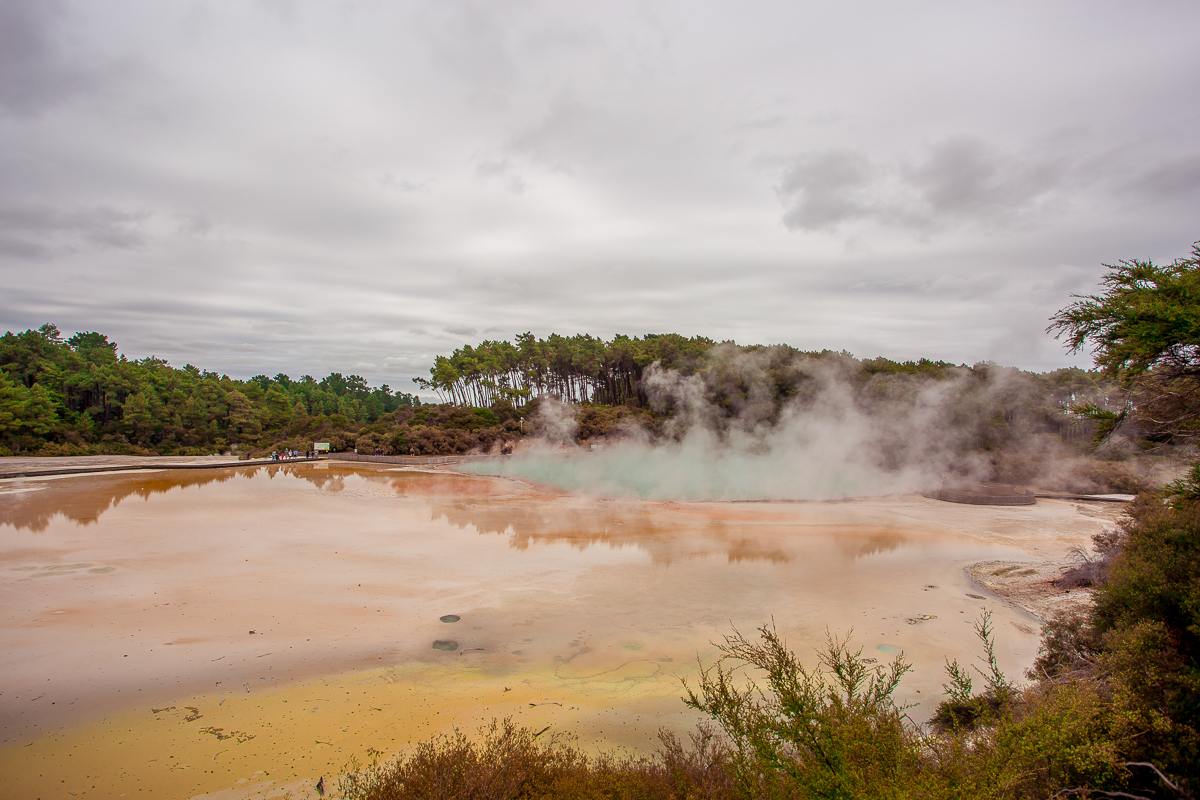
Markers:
1148,614
508,762
1070,646
1114,711
833,731
1052,740
828,732
963,709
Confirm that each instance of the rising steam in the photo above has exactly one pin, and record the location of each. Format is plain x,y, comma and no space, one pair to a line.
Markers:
833,439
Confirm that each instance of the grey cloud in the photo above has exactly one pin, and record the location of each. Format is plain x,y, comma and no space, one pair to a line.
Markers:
417,362
505,285
468,40
280,327
355,163
824,190
285,10
961,180
390,181
492,168
967,178
195,224
22,248
950,284
565,120
35,70
1177,177
760,123
39,232
504,172
46,61
891,285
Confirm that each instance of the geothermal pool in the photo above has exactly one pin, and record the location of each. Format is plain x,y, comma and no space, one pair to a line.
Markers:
244,631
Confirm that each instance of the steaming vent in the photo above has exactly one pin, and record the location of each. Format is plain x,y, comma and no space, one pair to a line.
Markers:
985,494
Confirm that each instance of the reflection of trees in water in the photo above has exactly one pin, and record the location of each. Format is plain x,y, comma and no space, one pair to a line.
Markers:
328,480
871,541
667,538
664,538
416,484
84,500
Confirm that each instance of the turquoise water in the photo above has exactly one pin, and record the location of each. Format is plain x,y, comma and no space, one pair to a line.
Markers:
686,472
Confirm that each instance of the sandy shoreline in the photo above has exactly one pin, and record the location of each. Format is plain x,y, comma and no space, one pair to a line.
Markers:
1031,585
125,593
41,464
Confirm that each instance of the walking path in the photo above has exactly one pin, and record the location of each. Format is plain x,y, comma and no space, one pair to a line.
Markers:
31,467
412,460
23,467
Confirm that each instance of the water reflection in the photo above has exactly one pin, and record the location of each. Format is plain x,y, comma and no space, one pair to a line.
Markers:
583,524
868,543
31,504
667,535
405,483
668,532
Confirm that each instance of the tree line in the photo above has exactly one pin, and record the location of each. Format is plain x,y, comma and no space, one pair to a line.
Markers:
584,369
79,395
579,369
628,371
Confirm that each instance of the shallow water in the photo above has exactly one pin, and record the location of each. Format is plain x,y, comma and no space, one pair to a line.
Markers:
297,611
700,469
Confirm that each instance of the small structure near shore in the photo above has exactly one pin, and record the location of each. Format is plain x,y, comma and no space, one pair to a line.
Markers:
985,494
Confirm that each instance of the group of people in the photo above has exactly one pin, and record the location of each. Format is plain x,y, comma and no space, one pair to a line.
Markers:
291,455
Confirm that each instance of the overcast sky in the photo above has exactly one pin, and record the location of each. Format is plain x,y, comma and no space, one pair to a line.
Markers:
300,187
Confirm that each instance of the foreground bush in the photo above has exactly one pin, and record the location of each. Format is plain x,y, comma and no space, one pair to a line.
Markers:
1114,710
790,731
510,762
832,731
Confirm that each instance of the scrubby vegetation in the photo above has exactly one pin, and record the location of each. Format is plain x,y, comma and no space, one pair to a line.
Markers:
993,422
506,761
1144,331
78,396
1113,710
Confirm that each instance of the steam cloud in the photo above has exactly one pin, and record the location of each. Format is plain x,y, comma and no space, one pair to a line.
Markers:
833,439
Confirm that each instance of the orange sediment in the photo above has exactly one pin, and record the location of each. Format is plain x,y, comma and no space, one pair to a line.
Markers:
283,620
